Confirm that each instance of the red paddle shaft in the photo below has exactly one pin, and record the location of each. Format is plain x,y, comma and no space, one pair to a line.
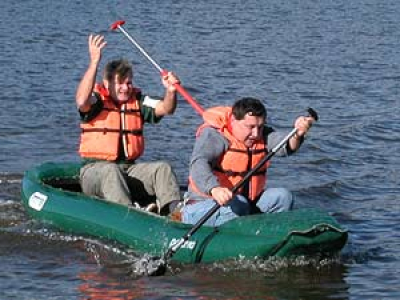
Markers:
179,88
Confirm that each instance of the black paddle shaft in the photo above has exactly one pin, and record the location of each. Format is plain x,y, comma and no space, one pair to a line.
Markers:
171,251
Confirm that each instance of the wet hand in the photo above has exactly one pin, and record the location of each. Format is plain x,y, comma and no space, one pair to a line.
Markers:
169,80
303,125
96,44
221,195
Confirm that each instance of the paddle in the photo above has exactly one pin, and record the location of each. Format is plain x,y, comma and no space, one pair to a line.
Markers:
163,72
160,267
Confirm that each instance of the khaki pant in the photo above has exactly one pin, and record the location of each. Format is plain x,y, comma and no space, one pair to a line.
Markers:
144,183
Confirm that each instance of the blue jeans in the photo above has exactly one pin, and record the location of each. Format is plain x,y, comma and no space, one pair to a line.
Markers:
271,201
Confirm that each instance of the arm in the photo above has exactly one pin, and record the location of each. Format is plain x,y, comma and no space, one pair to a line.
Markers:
206,151
303,125
84,98
208,148
168,105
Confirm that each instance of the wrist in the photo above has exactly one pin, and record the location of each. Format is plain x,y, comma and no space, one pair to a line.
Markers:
94,64
171,89
210,191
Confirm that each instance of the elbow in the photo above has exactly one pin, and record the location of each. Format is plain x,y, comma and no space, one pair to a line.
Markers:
82,104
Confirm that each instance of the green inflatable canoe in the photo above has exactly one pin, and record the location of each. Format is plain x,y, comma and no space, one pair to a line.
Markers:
51,194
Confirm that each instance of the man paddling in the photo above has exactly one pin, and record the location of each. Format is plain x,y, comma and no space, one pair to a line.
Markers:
229,144
112,117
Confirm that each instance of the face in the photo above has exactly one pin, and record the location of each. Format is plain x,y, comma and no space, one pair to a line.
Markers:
120,90
249,130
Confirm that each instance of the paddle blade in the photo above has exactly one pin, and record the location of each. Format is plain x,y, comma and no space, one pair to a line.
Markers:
149,266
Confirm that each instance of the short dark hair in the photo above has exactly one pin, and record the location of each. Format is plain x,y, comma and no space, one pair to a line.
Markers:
248,105
120,67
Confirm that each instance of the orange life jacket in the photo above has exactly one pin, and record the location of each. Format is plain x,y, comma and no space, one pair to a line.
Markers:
100,137
238,160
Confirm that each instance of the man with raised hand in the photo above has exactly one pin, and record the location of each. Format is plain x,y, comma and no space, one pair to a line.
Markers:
113,114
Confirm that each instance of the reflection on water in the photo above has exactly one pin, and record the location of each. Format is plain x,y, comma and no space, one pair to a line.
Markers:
230,280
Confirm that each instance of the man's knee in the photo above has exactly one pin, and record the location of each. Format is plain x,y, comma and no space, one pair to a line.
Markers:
276,200
287,198
163,165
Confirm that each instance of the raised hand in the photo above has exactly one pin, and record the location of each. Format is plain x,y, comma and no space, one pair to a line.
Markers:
96,44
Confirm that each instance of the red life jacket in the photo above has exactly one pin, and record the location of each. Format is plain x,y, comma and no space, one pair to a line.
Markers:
100,137
238,160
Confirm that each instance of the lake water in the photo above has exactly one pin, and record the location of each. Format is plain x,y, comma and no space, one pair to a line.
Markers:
340,57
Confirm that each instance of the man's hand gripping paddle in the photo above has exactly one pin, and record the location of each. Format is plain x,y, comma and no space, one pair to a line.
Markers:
158,266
